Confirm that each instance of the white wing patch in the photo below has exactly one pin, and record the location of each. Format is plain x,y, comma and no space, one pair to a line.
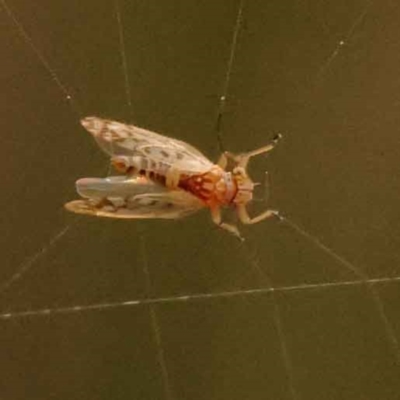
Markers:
118,139
131,198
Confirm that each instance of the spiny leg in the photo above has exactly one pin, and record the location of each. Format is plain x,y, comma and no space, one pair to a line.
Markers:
245,218
216,217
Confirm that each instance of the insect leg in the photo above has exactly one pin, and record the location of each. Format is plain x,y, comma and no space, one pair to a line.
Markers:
223,160
172,178
243,159
216,217
245,218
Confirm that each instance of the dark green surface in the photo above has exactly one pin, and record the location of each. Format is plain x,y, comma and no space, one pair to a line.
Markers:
335,173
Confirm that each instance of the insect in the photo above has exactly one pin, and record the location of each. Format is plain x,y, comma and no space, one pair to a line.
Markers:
164,178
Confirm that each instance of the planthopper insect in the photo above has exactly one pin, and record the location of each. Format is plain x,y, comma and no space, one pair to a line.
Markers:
164,178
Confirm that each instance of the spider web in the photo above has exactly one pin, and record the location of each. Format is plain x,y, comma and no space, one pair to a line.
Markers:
179,310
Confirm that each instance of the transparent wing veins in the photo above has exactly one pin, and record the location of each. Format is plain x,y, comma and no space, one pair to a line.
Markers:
118,139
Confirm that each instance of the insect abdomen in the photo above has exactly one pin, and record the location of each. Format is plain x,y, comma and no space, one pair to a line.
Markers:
142,166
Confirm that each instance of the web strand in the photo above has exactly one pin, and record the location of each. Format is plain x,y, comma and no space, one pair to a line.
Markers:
122,48
155,324
228,74
390,333
221,109
327,64
25,267
286,359
39,55
82,308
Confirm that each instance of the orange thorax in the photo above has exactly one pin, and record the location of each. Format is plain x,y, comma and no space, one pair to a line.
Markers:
215,187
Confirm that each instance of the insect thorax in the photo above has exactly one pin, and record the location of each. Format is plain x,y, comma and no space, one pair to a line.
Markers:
215,187
244,185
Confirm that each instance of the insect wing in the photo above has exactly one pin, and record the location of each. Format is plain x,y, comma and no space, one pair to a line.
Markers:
131,198
116,186
173,204
118,139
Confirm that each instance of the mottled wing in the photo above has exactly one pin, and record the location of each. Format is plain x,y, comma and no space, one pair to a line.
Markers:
118,139
131,198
